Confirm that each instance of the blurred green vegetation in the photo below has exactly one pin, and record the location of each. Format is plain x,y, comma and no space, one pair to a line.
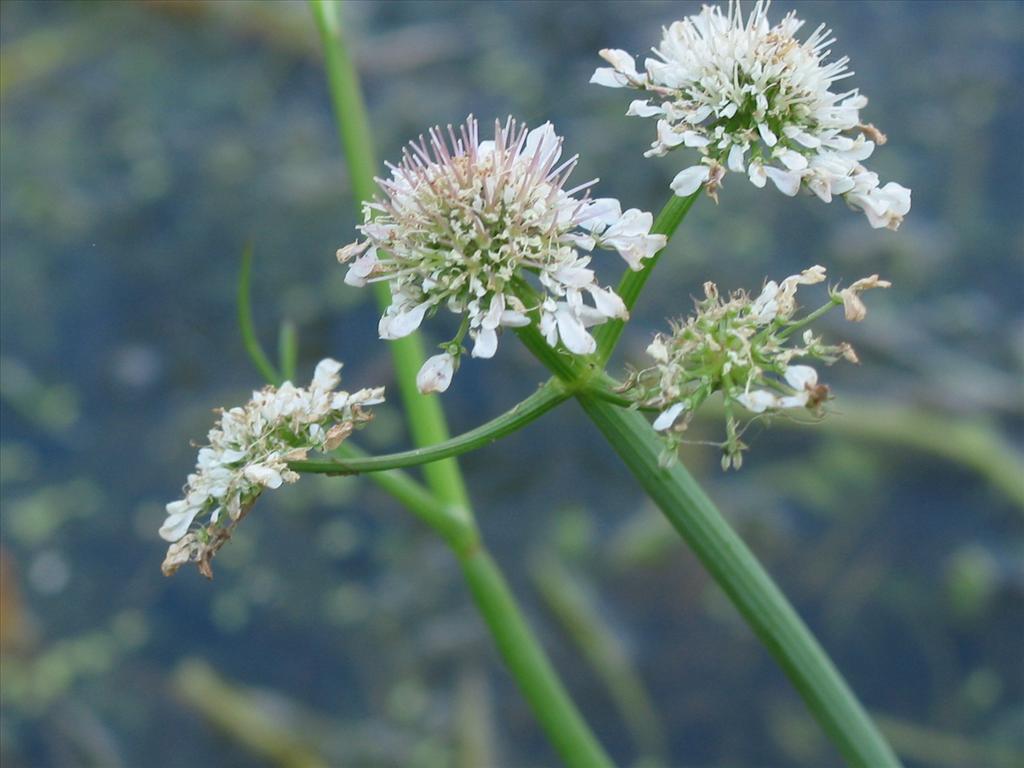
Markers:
143,144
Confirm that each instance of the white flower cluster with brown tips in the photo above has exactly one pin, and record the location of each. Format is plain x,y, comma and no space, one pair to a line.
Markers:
751,98
249,450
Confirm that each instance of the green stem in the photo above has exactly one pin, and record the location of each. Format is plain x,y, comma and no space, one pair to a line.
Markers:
746,583
246,325
803,322
540,402
523,655
729,562
632,283
449,504
287,350
526,659
426,419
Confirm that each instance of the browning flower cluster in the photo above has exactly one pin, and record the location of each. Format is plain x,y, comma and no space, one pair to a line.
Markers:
743,348
248,451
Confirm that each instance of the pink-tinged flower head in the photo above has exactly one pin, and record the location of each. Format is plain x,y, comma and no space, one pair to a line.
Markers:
464,224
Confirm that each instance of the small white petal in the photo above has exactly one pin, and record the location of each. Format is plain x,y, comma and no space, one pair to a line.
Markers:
757,175
599,214
436,373
788,182
403,323
544,143
326,375
179,518
695,139
767,135
689,180
608,303
486,344
362,268
621,60
798,400
642,108
609,78
791,159
735,161
657,350
512,318
667,135
667,418
573,333
758,401
799,377
263,475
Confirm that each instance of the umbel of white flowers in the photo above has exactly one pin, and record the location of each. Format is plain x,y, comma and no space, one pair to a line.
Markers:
751,98
249,450
463,222
743,348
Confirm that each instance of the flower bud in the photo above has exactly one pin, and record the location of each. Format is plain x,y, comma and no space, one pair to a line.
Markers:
436,373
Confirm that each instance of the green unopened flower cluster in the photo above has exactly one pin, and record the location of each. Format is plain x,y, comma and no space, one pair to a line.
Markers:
744,348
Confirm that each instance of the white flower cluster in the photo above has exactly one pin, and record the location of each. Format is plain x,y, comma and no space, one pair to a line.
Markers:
751,98
249,450
742,348
463,222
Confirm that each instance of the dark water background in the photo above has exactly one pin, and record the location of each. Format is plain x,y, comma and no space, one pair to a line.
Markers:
143,144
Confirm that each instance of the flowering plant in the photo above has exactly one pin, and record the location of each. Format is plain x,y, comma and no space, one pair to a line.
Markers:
490,231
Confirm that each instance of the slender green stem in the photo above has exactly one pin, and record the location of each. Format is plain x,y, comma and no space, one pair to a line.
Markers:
287,350
246,325
540,402
632,283
450,502
529,665
522,653
803,322
426,419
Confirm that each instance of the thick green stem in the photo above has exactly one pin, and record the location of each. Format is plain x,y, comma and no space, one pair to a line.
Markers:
632,283
536,405
526,659
746,583
426,419
729,562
